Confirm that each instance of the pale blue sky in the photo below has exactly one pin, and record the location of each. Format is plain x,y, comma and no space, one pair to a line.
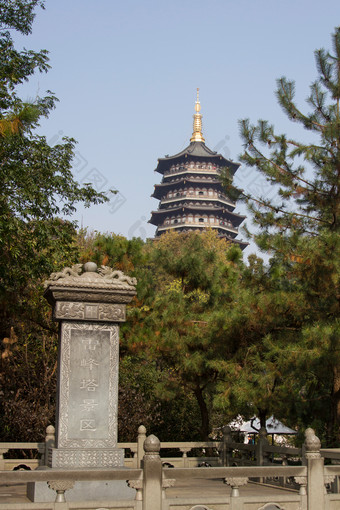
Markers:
126,75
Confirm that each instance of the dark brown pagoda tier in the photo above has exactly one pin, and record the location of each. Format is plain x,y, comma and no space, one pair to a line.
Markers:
161,190
196,151
198,211
223,230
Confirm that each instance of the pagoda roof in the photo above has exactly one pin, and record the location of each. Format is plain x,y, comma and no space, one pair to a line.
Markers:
237,218
195,151
242,244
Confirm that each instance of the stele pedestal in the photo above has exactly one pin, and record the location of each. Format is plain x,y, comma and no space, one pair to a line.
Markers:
89,303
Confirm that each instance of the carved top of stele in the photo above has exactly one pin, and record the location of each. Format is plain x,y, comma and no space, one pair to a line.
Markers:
86,279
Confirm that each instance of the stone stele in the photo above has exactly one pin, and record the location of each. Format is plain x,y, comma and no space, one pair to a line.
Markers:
88,303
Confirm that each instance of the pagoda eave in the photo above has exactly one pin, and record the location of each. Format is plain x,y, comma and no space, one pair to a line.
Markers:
223,231
195,152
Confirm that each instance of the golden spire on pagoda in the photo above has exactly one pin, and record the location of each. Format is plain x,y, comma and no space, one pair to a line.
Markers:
197,135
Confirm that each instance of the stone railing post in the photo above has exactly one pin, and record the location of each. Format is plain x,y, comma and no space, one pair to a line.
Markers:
133,450
152,475
259,450
225,450
140,445
60,487
2,460
315,478
283,479
49,442
185,452
302,481
235,483
138,486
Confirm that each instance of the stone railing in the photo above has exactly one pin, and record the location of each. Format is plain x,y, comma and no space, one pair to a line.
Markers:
9,464
152,481
133,452
222,453
260,454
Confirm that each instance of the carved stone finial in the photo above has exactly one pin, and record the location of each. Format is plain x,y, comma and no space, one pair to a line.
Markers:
135,484
168,482
152,445
90,276
50,430
235,482
64,273
117,276
60,486
312,444
90,267
87,283
141,429
50,437
227,437
302,481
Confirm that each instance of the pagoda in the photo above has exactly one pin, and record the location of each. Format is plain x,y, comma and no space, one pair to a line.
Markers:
191,193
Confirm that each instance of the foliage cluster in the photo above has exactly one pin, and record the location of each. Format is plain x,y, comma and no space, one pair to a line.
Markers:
208,336
301,231
38,192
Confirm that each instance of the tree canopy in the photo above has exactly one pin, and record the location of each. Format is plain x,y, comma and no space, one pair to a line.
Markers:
208,336
300,229
37,185
37,196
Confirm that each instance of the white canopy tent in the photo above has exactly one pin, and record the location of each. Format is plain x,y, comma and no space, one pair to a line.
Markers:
273,426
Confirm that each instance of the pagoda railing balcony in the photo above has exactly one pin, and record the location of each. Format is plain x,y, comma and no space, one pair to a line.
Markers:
196,226
217,197
221,224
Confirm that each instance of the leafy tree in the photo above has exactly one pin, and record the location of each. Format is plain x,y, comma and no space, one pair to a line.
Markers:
194,276
112,250
141,399
300,228
36,181
141,403
38,194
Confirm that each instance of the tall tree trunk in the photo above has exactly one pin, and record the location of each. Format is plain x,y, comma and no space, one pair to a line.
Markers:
262,417
205,421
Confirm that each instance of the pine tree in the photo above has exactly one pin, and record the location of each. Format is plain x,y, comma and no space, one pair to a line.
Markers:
194,277
300,228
